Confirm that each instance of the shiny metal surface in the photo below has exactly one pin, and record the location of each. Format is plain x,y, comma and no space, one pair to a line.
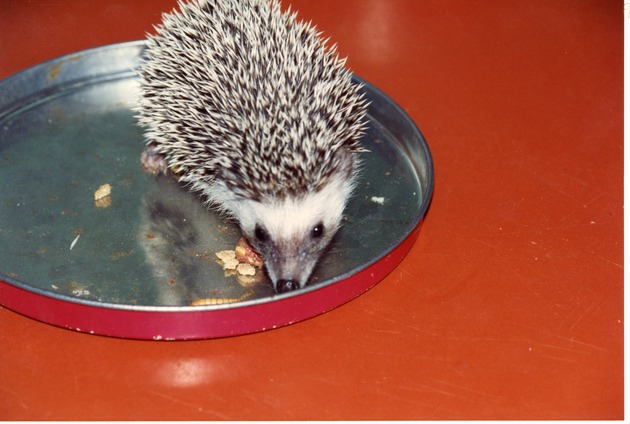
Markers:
67,125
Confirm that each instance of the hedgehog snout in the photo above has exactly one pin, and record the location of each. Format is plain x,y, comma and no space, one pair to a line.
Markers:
289,264
288,271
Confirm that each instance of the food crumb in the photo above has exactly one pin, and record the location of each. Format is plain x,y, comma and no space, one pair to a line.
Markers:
80,292
230,263
213,301
102,197
242,262
103,191
228,259
245,269
379,200
225,255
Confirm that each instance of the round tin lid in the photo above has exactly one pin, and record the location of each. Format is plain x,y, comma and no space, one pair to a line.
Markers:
135,264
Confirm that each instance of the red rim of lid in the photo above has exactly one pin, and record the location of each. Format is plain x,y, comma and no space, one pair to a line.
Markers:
206,322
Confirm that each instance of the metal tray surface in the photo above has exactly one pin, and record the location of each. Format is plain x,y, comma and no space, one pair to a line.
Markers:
132,269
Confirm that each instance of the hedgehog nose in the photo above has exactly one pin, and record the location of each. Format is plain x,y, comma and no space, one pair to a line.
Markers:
284,286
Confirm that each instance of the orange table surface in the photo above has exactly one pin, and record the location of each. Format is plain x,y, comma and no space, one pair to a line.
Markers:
509,305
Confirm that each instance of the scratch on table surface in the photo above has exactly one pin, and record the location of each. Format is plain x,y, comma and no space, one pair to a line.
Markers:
557,358
401,323
15,395
485,243
422,388
378,330
524,340
569,339
458,117
464,388
324,380
421,330
584,206
407,272
555,187
528,283
190,405
556,347
404,274
620,266
406,355
587,312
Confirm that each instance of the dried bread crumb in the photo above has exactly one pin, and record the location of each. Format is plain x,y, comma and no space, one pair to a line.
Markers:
102,197
245,269
225,255
103,191
230,263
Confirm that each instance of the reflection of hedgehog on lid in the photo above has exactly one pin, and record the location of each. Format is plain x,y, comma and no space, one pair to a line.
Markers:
252,109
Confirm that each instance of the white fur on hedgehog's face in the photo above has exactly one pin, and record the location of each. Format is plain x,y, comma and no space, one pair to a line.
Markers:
292,234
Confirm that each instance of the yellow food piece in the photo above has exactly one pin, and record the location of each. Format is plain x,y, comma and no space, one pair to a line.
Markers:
230,263
224,255
105,202
245,269
250,280
228,259
103,191
213,301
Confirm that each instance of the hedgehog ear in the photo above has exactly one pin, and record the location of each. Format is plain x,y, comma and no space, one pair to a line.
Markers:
346,162
227,174
231,177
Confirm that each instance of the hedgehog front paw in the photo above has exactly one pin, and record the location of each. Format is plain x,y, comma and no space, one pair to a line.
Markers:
153,162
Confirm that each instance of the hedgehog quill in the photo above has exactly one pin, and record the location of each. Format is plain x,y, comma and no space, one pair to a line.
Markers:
252,108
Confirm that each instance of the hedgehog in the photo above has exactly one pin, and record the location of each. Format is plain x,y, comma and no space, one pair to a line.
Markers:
253,109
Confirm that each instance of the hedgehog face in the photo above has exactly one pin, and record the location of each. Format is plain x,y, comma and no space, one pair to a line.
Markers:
292,234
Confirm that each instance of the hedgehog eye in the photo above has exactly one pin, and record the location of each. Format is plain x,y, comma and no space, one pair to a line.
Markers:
261,234
318,230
